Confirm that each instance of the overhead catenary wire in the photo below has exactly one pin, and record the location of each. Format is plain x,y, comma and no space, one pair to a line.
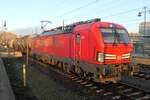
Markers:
123,12
105,3
131,20
109,16
61,4
76,9
117,14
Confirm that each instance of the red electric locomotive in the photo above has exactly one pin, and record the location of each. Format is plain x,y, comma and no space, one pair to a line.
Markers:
95,49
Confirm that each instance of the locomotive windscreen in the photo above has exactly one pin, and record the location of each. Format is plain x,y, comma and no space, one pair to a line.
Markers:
111,35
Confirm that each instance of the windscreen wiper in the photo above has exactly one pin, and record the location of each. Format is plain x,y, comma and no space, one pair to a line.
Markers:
116,37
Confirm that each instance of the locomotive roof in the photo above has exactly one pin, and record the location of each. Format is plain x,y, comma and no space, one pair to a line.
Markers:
67,28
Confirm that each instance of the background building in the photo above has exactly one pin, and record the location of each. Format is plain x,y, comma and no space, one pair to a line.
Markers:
147,28
145,36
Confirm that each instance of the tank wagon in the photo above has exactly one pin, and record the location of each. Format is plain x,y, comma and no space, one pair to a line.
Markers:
22,43
16,44
98,50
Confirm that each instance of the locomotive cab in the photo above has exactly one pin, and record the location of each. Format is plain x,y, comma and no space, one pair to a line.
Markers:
117,46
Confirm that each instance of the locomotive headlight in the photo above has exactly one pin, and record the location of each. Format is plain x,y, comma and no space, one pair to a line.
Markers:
128,55
100,57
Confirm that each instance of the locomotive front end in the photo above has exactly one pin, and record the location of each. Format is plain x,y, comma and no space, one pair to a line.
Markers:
115,60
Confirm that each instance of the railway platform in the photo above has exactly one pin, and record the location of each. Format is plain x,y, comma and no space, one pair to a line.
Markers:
141,59
6,92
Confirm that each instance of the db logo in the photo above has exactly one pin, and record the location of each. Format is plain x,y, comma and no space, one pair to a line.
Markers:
118,57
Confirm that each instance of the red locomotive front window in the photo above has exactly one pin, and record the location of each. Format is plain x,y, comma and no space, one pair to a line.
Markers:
118,35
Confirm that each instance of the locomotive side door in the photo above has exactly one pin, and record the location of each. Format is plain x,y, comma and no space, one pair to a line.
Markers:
77,46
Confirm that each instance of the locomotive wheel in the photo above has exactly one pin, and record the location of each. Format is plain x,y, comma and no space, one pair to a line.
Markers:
78,70
54,62
63,66
82,73
72,70
90,76
96,78
60,66
66,67
38,58
50,62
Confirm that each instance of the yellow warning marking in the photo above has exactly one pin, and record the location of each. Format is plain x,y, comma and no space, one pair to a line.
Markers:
24,75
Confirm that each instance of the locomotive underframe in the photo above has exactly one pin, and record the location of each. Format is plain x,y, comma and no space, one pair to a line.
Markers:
107,73
99,73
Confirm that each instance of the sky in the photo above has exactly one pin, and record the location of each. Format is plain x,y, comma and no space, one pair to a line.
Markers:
23,15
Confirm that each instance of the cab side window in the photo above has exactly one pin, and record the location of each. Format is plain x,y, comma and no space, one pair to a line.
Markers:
78,38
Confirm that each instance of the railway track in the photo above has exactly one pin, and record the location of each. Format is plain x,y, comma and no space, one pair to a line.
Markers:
141,59
144,72
142,75
118,91
114,91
